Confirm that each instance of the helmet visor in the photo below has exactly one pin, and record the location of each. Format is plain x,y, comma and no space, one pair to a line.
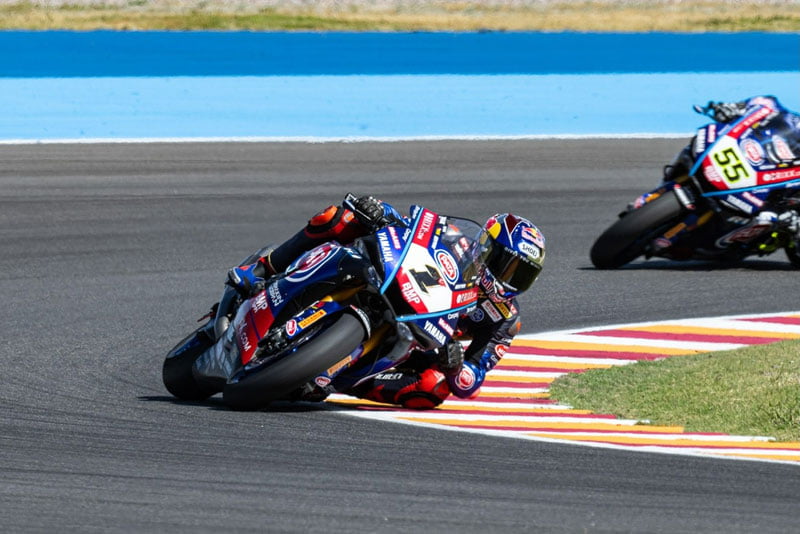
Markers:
512,270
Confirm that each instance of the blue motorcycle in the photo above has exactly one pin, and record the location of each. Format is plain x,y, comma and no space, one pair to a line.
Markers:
337,316
709,211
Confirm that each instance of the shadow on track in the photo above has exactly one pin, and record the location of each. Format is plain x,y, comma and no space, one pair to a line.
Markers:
216,404
703,266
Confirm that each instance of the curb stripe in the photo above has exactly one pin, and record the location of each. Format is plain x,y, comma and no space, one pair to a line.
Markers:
514,401
700,338
678,329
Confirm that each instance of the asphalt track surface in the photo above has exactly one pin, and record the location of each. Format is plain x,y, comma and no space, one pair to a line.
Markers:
108,254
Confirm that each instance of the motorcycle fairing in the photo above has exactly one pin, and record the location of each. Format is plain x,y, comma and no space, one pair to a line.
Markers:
295,296
747,155
251,323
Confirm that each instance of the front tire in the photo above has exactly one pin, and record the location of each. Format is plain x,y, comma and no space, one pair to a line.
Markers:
252,392
793,253
627,238
177,371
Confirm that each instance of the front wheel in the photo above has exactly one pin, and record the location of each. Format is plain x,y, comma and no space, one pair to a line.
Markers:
177,371
627,238
274,382
793,253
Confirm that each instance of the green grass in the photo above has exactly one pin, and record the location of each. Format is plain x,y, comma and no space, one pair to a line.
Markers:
592,15
753,391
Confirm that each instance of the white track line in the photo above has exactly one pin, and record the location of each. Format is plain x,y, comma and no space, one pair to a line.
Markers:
344,139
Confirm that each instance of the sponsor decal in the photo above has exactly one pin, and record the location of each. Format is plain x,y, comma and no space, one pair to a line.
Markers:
661,243
743,234
275,294
409,293
310,263
782,148
531,250
500,350
749,121
393,236
700,141
314,317
533,235
738,203
674,230
492,311
465,297
260,303
465,378
477,315
711,133
752,199
341,364
322,381
424,230
753,151
244,341
386,249
644,199
713,175
434,332
779,176
445,326
683,197
291,327
447,265
507,311
389,376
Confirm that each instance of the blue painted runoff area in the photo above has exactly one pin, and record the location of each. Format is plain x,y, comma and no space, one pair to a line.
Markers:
109,53
371,106
223,85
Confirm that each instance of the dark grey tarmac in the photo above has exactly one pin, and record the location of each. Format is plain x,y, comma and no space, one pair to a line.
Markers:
108,254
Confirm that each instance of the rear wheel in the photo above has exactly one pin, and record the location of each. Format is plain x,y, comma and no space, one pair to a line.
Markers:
177,371
627,238
251,392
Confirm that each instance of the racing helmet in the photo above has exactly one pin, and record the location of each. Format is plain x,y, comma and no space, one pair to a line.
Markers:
516,257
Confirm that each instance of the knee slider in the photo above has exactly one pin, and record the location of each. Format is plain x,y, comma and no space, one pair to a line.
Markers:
428,392
324,220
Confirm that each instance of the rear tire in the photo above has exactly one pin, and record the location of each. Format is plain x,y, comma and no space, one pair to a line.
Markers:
274,382
627,238
177,371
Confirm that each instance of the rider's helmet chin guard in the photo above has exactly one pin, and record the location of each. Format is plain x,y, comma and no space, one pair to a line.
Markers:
516,258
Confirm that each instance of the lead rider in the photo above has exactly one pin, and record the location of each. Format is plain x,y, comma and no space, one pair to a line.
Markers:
779,150
425,379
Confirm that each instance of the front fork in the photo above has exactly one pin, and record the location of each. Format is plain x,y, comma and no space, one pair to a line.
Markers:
684,189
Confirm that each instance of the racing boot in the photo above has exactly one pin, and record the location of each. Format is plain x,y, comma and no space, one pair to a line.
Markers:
410,389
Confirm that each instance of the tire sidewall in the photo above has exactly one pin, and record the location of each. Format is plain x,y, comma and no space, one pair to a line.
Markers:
331,346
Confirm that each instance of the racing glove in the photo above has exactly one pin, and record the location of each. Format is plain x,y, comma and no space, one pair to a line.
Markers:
370,212
723,111
245,280
790,220
451,358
